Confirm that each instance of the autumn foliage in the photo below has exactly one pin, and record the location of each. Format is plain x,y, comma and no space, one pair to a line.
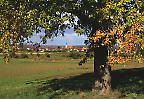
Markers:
117,24
123,46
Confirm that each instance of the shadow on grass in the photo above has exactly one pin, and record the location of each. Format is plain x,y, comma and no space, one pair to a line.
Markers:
64,86
128,80
125,80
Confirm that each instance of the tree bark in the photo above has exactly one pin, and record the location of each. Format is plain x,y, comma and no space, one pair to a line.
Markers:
102,71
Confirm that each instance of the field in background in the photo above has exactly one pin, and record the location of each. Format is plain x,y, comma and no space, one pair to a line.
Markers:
62,77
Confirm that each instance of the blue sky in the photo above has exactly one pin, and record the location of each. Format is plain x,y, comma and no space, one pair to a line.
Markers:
71,38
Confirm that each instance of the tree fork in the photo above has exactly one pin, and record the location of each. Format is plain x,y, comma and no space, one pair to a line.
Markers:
102,71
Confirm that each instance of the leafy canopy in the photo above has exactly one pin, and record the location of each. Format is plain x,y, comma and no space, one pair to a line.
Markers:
117,24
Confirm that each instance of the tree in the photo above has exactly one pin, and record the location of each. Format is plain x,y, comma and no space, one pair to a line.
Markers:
19,19
114,28
14,25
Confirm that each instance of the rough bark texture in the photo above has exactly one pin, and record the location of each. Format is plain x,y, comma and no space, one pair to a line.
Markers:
102,71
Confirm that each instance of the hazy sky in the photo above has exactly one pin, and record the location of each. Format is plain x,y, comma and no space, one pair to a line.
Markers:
71,38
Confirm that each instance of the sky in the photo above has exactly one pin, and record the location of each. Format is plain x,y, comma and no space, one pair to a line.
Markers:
69,38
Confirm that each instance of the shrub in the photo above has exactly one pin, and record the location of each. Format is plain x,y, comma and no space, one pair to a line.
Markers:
24,55
13,55
47,55
0,50
74,55
38,55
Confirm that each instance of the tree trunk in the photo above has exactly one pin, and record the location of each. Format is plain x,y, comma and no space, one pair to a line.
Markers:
102,71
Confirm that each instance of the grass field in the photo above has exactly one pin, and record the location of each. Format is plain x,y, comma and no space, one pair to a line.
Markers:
50,79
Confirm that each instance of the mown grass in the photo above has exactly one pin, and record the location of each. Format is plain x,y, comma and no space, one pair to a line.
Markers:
47,79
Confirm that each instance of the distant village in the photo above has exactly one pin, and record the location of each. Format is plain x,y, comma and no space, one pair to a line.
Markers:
51,48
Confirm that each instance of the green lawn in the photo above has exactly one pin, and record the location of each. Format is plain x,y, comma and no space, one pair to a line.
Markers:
47,79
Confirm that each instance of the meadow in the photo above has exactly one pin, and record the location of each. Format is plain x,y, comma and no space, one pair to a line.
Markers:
61,77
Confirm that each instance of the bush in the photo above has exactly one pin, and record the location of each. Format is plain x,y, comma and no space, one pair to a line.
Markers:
23,55
47,55
0,50
74,55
